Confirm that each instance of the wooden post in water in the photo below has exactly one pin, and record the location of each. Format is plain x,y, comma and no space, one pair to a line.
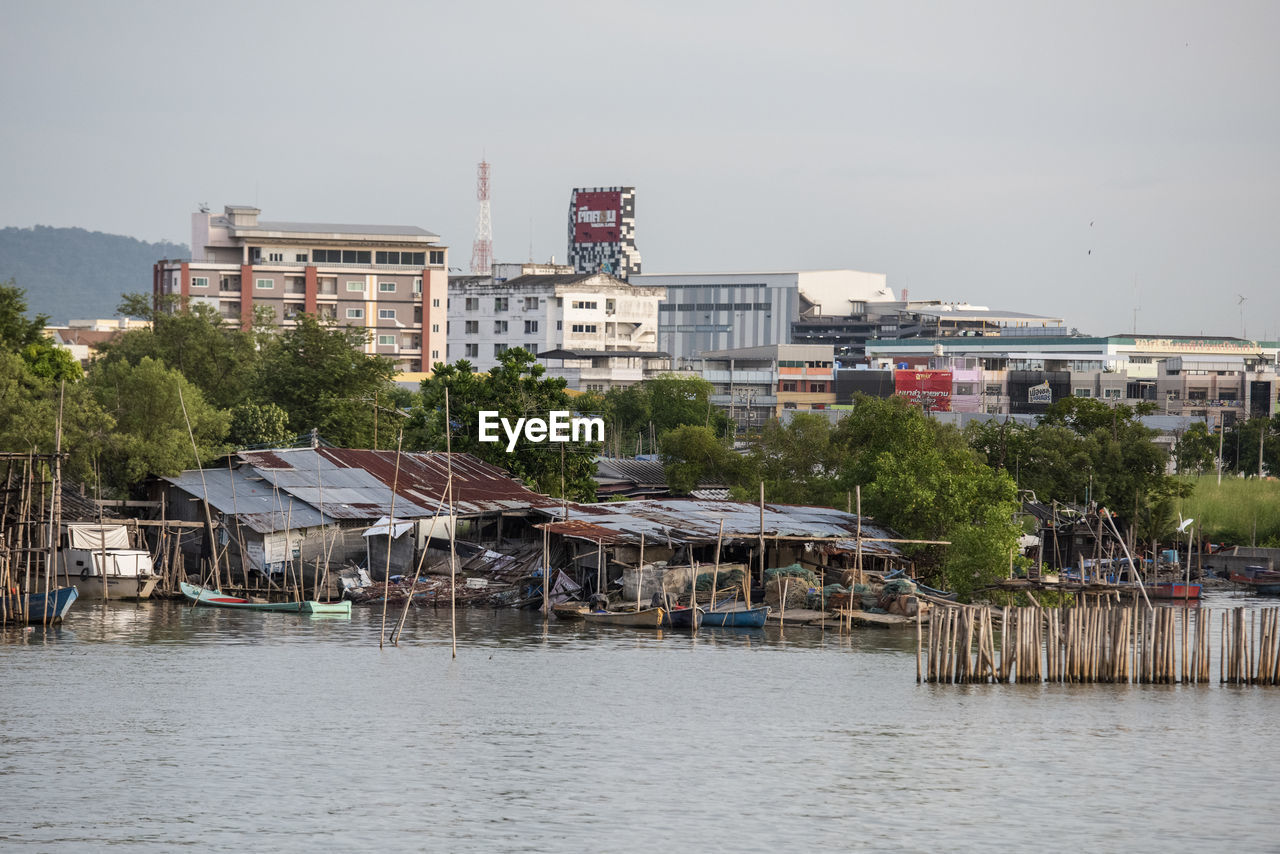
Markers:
391,536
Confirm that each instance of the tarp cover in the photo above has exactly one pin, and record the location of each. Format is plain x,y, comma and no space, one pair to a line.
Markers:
380,528
98,536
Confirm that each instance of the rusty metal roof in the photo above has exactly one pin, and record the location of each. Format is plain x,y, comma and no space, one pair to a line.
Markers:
690,520
357,484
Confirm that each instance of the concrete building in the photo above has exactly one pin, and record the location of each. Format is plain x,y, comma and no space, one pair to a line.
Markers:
80,337
755,384
590,313
602,231
1218,379
705,312
390,280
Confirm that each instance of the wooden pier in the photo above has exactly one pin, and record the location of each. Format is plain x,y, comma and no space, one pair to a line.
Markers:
1097,644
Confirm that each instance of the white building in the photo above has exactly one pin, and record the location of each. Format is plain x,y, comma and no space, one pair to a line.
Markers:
592,312
720,311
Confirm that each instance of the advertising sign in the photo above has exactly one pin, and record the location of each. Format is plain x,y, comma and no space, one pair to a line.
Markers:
597,217
929,389
1040,393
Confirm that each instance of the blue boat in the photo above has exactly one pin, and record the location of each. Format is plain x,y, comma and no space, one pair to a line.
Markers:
686,617
741,618
42,608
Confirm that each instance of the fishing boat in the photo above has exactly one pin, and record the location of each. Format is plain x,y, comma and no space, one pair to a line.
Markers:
108,567
569,610
684,617
41,608
1174,590
214,598
650,618
1259,579
736,616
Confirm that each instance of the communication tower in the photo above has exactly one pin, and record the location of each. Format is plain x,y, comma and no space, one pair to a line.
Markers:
482,248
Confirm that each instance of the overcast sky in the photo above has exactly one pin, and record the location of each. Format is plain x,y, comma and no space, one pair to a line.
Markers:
1075,159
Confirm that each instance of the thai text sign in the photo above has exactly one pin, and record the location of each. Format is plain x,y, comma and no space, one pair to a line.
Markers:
928,389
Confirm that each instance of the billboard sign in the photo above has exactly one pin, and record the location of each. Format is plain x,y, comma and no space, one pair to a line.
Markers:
1040,393
597,216
928,389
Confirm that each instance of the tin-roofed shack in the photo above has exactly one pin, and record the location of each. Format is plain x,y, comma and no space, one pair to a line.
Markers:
306,508
681,532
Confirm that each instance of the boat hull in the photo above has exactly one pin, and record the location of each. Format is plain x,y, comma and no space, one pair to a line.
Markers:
685,618
39,608
216,599
649,618
342,608
118,587
746,618
1175,591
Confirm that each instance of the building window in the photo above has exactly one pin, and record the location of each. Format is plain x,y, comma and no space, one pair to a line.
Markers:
473,351
435,327
530,326
435,302
584,304
229,283
472,327
817,388
386,287
435,354
386,314
788,386
265,284
295,285
417,285
530,303
200,282
276,256
386,340
355,314
301,256
417,314
292,310
327,312
584,327
499,349
1082,392
355,287
1111,393
328,286
500,303
437,256
473,303
500,326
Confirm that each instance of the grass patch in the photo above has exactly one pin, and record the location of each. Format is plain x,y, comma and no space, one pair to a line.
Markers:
1232,511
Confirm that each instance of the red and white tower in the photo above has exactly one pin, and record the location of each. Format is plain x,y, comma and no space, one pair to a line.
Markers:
482,248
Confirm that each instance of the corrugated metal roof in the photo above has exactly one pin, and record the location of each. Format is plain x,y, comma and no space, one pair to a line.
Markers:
253,500
357,484
690,520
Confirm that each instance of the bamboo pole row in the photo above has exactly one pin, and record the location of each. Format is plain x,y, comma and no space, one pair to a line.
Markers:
1097,644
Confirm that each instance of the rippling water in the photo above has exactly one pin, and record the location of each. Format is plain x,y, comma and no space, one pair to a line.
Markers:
158,727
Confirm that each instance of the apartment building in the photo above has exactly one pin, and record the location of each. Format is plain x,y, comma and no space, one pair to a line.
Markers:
390,280
755,384
591,313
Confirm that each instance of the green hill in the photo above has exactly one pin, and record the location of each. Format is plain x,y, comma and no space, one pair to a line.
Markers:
70,272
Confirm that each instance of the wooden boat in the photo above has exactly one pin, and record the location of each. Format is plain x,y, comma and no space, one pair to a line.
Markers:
1174,590
737,617
569,610
684,617
650,618
40,608
214,598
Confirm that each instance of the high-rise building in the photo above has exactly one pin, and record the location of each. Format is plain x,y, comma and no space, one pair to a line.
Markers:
602,231
391,280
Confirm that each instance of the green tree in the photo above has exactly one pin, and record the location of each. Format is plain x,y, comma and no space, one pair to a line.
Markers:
46,359
320,375
29,407
799,462
1243,441
695,454
640,414
150,435
257,424
16,330
1196,449
217,356
516,388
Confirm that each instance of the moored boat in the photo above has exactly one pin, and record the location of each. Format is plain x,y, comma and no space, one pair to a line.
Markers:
1174,590
684,617
569,610
217,599
40,608
648,618
737,617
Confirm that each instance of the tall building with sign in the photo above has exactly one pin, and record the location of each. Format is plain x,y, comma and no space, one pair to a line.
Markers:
602,231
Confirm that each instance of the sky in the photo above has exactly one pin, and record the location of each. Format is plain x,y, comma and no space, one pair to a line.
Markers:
1115,164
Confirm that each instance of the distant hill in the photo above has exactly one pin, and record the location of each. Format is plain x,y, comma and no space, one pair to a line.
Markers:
72,273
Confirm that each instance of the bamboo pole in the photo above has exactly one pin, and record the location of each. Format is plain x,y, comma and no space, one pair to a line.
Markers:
391,536
453,525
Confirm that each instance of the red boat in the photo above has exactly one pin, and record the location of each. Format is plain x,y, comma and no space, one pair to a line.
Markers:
1174,590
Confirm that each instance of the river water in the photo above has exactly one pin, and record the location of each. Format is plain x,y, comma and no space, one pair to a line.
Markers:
156,727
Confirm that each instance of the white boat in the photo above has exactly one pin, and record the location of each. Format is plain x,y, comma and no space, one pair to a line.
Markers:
93,551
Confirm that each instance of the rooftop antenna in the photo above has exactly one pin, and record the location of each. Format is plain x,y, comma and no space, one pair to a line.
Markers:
482,248
1240,301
